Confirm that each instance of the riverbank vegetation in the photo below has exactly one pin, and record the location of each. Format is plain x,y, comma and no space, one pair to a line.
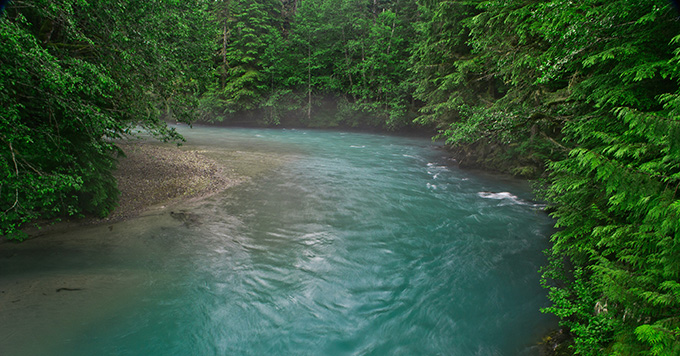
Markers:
583,94
77,75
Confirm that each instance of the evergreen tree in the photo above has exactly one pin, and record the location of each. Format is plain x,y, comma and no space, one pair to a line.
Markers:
616,194
247,28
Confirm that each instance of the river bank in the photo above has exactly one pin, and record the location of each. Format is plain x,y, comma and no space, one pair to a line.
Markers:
154,176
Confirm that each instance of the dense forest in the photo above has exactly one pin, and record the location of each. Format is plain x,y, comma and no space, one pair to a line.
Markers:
581,94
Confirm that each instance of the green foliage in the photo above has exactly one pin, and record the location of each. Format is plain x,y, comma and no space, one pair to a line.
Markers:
582,309
293,59
616,194
661,340
247,28
476,71
75,76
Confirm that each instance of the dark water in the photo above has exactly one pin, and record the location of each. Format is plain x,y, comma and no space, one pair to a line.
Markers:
358,244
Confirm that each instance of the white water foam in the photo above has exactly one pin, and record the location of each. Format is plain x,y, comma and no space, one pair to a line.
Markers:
434,169
508,197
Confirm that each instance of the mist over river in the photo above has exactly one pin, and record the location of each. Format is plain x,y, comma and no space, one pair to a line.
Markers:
339,244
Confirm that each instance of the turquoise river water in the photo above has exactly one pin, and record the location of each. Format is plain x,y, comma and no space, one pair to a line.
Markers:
347,244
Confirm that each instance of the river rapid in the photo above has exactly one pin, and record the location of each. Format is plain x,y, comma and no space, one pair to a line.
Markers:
339,244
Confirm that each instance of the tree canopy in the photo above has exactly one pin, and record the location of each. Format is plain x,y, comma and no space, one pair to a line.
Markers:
75,75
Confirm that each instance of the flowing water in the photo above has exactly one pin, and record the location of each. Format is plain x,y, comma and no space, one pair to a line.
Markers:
349,244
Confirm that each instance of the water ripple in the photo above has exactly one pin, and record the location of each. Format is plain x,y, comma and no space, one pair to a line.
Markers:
362,245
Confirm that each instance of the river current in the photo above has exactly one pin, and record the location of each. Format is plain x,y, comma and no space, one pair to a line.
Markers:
352,244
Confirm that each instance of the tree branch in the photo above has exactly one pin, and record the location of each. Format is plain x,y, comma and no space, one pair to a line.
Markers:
16,169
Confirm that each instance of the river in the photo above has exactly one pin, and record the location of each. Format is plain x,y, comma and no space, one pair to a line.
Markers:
350,244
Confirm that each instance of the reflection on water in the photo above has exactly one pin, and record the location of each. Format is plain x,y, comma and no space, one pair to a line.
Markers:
360,244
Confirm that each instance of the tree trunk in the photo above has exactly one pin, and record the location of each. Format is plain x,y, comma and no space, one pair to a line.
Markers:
309,81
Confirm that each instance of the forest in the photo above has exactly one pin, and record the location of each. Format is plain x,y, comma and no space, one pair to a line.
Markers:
582,96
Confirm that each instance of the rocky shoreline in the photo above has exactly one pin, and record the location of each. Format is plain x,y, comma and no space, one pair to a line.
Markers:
153,175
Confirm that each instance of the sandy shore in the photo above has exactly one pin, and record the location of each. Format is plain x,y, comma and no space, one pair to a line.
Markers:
153,174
